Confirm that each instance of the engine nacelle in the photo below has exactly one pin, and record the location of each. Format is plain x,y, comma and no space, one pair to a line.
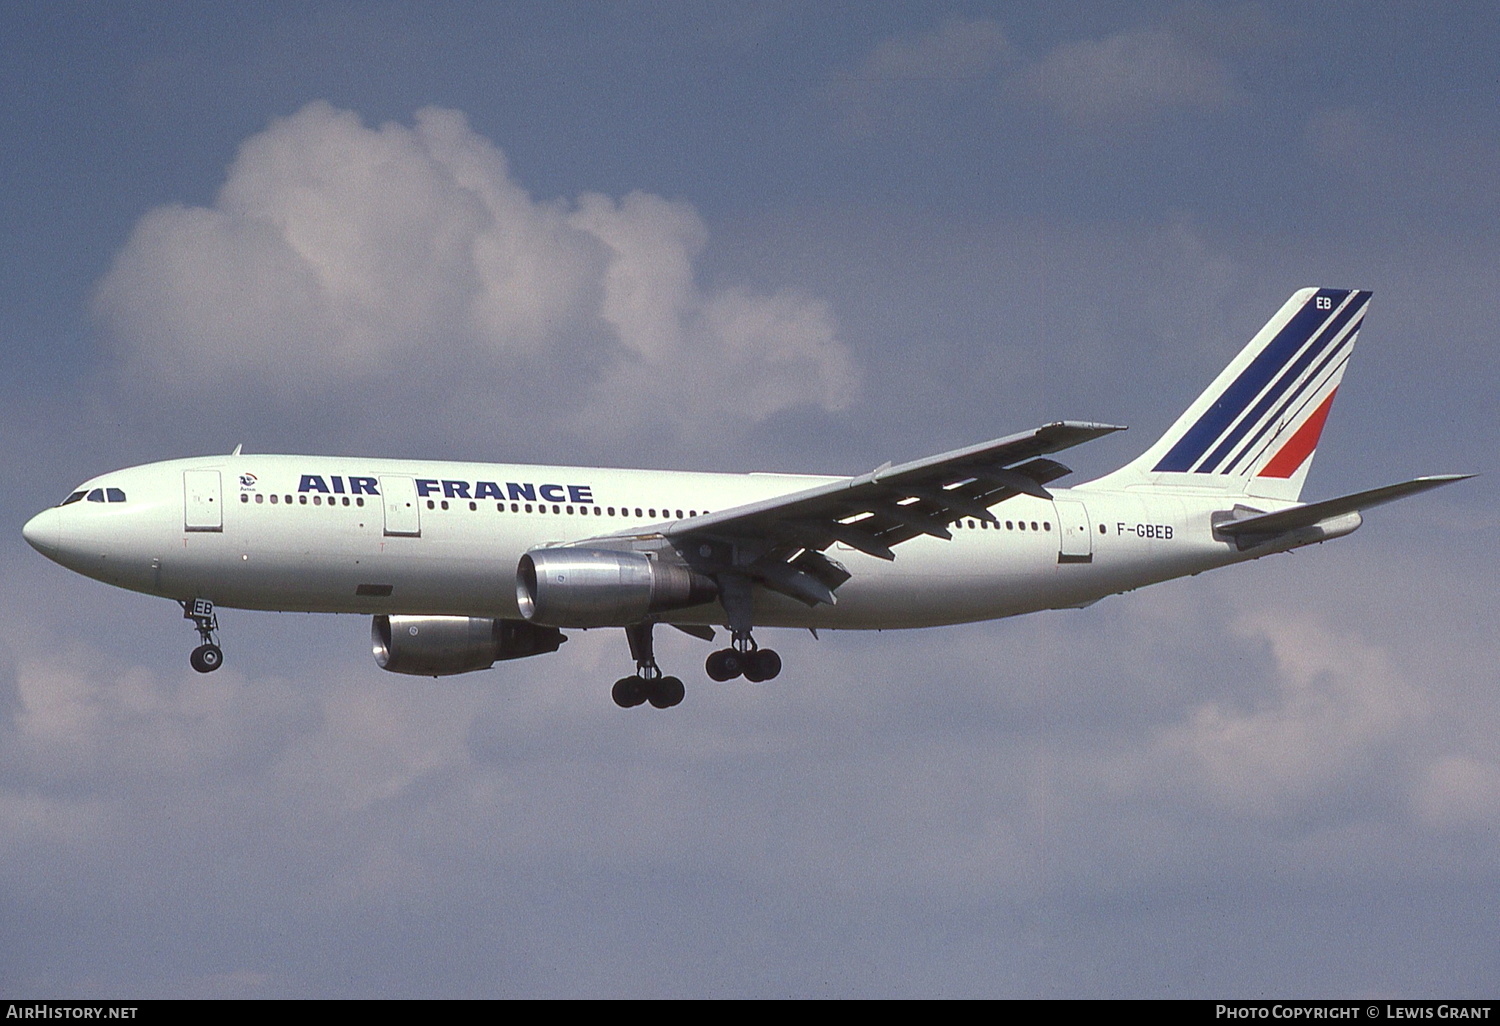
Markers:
603,588
437,646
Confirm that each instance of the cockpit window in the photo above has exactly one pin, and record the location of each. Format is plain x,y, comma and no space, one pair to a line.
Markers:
95,495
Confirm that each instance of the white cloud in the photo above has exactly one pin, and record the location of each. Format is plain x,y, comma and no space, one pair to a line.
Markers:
409,259
1338,706
1129,77
1121,80
1460,792
901,75
957,48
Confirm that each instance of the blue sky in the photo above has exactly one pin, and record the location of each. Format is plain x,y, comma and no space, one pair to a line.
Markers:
752,236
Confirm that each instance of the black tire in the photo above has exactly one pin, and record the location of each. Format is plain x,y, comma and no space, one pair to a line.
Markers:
628,692
725,664
207,658
667,692
763,664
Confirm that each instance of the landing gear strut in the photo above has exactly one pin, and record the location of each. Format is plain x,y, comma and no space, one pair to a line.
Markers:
207,657
648,684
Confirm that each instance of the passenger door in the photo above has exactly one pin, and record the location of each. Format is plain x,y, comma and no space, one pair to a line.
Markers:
398,495
202,501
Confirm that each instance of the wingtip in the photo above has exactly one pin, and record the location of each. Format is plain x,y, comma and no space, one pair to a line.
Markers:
1086,425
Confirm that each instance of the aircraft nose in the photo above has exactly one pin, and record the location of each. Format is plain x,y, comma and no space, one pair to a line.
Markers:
42,532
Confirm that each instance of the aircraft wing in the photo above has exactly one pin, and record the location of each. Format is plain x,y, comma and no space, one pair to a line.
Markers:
779,542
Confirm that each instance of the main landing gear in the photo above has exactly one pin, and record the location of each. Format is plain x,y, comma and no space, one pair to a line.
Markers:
743,658
648,684
207,657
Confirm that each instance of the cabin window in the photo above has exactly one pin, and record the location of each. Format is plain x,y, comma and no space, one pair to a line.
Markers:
244,496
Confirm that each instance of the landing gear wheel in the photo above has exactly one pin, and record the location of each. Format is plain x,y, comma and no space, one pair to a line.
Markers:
629,692
762,664
725,664
207,658
667,692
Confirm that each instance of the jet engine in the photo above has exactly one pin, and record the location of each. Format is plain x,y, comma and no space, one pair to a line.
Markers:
436,646
603,588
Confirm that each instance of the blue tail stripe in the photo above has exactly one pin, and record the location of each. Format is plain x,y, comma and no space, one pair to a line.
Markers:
1335,356
1279,389
1243,390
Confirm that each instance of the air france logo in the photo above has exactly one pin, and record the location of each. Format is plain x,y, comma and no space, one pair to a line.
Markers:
357,485
515,491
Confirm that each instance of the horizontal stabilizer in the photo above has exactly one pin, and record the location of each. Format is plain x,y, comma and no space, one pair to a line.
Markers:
1316,512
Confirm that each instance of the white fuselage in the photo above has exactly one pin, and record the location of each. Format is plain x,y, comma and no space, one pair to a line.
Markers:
339,534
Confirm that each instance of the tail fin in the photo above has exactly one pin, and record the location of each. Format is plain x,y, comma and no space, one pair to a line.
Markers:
1253,431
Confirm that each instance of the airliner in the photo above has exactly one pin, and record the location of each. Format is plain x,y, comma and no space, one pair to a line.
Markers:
463,565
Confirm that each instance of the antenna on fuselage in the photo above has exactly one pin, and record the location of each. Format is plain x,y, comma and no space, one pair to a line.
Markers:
237,449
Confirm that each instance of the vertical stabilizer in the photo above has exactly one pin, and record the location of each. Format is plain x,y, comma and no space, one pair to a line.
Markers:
1254,431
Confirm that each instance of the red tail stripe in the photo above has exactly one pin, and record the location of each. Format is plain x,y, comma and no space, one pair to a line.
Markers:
1300,446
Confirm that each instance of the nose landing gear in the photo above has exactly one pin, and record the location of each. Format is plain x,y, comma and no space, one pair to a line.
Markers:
207,657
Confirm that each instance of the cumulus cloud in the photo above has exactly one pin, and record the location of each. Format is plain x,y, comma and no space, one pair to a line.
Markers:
340,255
